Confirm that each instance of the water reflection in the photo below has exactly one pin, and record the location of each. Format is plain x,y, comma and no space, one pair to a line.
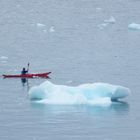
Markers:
24,81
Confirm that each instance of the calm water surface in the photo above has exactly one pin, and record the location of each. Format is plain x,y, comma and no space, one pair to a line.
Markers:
71,39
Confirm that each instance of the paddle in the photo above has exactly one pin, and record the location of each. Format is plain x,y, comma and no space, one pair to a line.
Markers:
28,66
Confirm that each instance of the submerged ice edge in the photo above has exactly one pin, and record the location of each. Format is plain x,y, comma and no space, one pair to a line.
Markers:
95,93
98,102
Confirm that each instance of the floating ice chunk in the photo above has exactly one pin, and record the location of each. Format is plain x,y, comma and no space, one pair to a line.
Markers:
52,29
134,26
98,9
111,20
96,93
4,57
103,25
40,25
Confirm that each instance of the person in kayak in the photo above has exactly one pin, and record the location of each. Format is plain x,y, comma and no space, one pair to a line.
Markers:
24,71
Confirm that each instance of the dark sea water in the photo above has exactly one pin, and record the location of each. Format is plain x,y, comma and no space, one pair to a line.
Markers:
76,40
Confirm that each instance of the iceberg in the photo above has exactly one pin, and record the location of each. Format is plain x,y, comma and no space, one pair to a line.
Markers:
93,93
134,26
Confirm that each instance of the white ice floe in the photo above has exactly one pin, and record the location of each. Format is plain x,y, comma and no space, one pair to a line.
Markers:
4,57
98,9
134,26
94,93
40,25
107,22
103,25
111,20
52,29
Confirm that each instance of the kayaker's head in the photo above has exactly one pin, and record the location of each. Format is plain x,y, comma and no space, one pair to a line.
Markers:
23,69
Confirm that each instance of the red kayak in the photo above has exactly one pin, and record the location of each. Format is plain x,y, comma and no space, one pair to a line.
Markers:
41,75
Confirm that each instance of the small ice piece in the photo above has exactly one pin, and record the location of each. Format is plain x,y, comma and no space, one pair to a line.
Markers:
111,20
4,57
40,25
98,9
103,25
52,29
134,26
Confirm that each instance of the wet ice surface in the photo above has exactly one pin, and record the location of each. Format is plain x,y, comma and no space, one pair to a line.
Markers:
89,93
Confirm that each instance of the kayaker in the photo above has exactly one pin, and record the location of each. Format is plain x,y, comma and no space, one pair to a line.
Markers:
24,71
